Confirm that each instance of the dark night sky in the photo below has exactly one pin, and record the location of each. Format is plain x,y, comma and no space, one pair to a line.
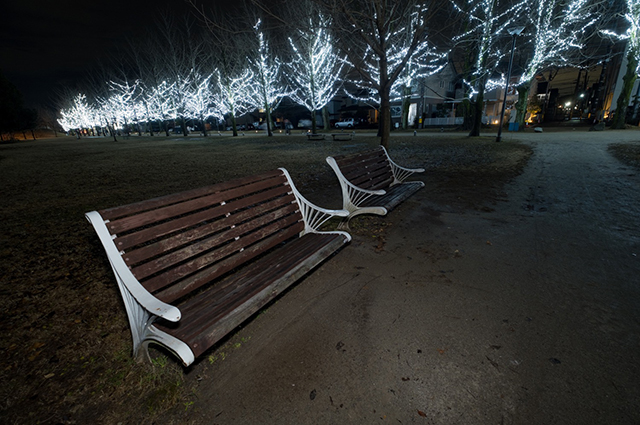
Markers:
48,43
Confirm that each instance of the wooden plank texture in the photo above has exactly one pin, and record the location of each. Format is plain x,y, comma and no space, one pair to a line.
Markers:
121,211
207,319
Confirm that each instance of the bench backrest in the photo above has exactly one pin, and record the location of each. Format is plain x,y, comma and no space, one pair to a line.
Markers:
368,170
177,243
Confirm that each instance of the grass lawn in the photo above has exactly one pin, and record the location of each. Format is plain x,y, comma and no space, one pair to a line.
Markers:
66,343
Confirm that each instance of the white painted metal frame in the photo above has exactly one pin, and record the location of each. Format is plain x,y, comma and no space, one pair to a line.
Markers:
314,216
400,174
143,308
353,196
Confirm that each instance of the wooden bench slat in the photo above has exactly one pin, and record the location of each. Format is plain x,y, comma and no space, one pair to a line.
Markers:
149,233
137,207
233,232
175,210
364,155
394,196
380,178
365,167
158,282
201,325
260,297
223,221
206,275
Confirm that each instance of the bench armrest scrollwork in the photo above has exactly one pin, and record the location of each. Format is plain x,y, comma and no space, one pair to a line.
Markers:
313,215
352,195
400,173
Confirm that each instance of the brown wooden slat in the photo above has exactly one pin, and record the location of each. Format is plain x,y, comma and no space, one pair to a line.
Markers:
381,178
149,233
376,168
172,275
137,207
164,213
293,252
200,317
170,243
364,154
356,169
394,196
197,280
195,249
236,314
357,162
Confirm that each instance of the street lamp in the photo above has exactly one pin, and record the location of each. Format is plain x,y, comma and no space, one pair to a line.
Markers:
513,32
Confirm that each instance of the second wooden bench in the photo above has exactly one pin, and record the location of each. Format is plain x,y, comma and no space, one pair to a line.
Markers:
371,182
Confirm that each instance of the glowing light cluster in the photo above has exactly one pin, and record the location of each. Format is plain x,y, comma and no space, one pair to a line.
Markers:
316,69
487,37
404,59
267,90
632,16
556,31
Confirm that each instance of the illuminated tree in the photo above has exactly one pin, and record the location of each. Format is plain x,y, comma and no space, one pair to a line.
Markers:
122,103
266,67
160,103
486,42
233,96
555,33
375,35
199,100
632,35
79,115
315,69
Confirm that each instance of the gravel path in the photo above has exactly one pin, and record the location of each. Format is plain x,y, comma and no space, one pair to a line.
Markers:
525,314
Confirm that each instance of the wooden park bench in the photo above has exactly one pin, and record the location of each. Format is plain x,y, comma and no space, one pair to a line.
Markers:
194,265
371,182
314,136
342,136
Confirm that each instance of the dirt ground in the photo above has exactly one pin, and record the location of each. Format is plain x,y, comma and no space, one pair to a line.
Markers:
505,291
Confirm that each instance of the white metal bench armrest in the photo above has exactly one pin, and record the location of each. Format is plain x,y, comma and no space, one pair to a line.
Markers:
150,303
400,173
352,195
313,215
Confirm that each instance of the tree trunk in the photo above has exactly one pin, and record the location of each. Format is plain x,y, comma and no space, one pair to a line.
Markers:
267,111
406,104
233,125
184,126
204,127
521,106
384,121
620,118
314,125
466,109
33,134
476,112
325,118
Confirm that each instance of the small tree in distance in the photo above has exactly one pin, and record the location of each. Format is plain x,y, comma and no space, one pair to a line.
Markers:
315,69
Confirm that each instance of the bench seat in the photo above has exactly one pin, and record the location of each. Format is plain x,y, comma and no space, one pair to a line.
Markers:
192,266
218,310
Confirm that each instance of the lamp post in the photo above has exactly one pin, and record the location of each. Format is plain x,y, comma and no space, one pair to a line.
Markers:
513,32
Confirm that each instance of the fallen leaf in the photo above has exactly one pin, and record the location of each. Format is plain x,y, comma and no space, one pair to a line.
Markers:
50,375
312,395
405,379
421,413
